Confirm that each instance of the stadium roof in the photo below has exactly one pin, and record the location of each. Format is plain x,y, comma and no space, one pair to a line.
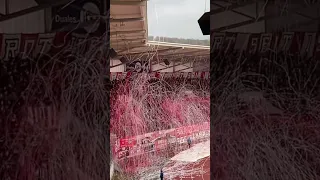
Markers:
128,24
129,34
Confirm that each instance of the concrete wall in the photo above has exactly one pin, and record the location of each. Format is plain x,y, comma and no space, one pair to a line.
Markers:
31,23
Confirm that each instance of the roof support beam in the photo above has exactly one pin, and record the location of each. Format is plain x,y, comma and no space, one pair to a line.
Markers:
184,69
32,9
161,59
251,21
190,68
266,17
159,43
124,63
243,23
128,3
191,52
237,12
117,65
130,48
122,16
127,43
299,24
154,51
124,38
170,66
126,47
7,8
127,32
122,20
190,58
231,7
187,56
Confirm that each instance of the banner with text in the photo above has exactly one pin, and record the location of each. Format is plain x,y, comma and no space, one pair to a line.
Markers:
31,45
84,16
302,43
163,75
160,140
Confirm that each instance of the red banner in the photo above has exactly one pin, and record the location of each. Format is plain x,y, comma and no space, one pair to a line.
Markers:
156,141
187,75
31,45
303,43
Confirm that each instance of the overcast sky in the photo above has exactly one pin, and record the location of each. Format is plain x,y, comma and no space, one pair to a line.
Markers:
176,18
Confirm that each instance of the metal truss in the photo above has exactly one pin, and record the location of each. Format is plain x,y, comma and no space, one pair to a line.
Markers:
252,20
8,15
203,65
